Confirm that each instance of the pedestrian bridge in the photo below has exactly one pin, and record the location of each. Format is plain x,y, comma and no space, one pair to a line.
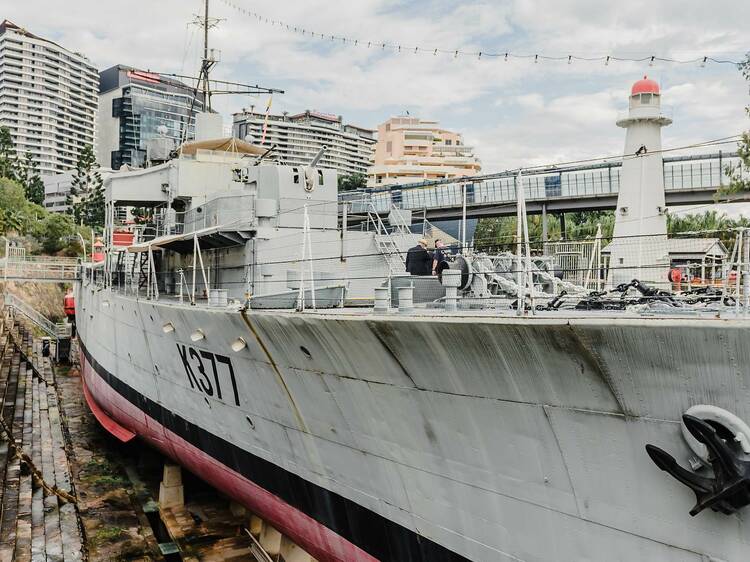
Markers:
19,267
688,180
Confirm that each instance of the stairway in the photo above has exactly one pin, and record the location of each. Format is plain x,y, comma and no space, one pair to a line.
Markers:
386,244
36,524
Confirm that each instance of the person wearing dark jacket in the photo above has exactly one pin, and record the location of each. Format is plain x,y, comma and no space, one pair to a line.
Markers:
419,260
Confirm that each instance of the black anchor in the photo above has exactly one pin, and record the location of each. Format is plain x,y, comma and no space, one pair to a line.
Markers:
729,490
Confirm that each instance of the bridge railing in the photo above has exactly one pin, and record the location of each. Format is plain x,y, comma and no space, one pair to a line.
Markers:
600,180
38,268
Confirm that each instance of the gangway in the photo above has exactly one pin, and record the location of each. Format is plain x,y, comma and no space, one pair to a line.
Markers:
61,332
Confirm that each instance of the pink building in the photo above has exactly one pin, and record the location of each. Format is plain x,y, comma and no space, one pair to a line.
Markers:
411,150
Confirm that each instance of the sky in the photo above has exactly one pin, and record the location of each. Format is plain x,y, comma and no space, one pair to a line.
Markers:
514,113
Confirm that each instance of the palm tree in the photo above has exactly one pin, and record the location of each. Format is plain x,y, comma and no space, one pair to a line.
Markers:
12,221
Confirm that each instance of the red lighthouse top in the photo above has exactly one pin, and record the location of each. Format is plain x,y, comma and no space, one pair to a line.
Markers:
645,86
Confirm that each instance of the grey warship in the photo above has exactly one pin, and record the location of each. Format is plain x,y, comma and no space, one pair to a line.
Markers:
500,412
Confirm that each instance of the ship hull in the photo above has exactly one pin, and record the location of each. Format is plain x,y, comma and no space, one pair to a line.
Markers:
407,438
185,443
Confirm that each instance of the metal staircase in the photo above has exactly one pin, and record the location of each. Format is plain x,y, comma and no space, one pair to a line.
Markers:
386,243
57,331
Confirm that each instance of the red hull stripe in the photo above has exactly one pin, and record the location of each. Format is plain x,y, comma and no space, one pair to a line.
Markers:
122,433
329,526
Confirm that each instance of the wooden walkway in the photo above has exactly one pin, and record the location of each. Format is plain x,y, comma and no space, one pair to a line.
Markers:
36,522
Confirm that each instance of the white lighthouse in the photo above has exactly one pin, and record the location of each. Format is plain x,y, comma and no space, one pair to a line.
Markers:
639,249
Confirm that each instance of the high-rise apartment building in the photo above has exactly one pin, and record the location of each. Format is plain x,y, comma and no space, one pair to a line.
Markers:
48,98
298,138
133,105
411,150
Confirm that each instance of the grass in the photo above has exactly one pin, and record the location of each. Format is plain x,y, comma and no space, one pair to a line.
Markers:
107,534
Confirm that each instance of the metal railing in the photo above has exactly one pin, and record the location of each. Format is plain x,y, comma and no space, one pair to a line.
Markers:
58,331
21,267
702,172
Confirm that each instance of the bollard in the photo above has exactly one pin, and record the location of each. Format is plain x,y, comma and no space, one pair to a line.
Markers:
451,279
381,299
405,299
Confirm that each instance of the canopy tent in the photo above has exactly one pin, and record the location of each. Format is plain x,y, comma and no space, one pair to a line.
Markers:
229,144
224,236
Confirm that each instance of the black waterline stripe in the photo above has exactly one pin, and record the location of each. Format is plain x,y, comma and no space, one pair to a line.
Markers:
373,533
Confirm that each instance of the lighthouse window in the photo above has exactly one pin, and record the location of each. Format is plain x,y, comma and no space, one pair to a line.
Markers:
645,98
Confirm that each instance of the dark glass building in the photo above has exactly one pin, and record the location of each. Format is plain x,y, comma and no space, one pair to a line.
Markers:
133,104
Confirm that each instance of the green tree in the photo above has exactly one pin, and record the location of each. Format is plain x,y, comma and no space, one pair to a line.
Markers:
739,181
712,224
500,233
8,158
55,232
29,177
12,221
352,181
86,199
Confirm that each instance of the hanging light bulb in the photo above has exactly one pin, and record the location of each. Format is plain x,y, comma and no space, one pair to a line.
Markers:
536,59
703,62
606,61
570,59
435,53
651,62
506,57
480,56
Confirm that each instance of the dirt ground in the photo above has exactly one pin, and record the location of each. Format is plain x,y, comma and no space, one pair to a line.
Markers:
115,526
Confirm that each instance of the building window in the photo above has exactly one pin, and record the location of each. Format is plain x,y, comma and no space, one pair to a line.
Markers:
389,147
117,107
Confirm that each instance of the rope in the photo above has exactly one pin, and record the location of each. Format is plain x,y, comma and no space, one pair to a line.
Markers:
36,473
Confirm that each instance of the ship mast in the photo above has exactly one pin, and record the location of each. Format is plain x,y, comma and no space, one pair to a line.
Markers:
205,65
209,59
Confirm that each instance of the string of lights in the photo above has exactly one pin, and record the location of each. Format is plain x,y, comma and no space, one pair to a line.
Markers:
506,56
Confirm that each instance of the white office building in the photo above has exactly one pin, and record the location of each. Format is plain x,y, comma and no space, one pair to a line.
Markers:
57,189
298,138
48,98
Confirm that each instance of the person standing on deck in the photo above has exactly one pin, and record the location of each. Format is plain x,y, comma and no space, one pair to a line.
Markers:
438,256
418,259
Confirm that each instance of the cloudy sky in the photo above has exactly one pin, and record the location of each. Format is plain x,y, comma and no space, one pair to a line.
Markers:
515,113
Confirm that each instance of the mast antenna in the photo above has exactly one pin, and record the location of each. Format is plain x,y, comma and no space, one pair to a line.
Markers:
209,59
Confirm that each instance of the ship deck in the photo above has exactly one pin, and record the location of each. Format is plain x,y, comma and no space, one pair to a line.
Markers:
501,311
